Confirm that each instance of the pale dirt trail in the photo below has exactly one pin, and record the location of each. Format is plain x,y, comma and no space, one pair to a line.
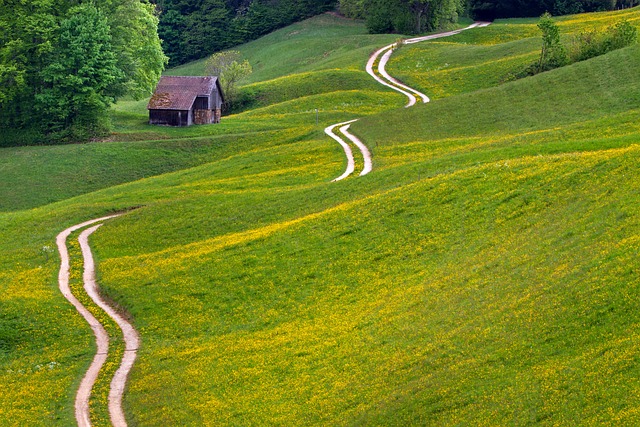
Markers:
366,155
351,164
386,80
130,335
386,53
389,84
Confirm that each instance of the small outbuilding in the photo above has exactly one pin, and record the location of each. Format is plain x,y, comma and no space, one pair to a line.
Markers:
183,101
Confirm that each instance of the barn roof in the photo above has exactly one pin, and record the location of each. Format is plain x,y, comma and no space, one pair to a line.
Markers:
179,92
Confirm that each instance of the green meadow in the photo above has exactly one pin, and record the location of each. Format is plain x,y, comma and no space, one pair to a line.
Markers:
485,272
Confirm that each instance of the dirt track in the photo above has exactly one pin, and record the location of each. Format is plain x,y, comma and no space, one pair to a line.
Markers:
381,56
130,335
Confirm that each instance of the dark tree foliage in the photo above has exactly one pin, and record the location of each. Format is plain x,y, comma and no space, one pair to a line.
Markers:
416,16
63,62
72,103
404,16
492,9
193,29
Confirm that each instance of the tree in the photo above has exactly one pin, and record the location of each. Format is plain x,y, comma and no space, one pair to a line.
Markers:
206,29
553,54
57,68
354,9
173,23
379,15
133,27
27,38
491,9
193,29
419,9
411,16
78,80
227,66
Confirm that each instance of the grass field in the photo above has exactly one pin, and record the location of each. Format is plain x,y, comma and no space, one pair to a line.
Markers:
485,273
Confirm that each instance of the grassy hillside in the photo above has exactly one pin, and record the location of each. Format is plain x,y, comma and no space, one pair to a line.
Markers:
485,273
295,72
322,43
483,59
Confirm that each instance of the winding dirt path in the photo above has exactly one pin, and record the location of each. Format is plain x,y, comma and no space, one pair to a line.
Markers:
351,164
397,84
386,53
381,56
366,155
130,335
388,83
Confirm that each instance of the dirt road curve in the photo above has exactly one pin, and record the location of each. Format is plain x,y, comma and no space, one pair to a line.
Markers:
387,80
386,53
351,164
130,335
366,155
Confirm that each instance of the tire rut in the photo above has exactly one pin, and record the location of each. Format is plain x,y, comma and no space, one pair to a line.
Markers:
130,335
382,56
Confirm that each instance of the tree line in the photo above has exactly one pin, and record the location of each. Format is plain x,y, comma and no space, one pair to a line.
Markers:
193,29
492,9
417,16
404,16
63,62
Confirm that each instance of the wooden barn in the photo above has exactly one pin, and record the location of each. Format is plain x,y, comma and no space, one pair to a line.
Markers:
184,101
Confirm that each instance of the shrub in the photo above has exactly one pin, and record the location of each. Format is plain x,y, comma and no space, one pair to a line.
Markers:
587,44
553,54
591,43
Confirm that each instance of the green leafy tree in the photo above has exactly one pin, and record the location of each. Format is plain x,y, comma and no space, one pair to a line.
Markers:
170,32
567,7
28,32
78,82
553,54
133,27
380,14
205,29
230,69
193,29
353,8
39,81
420,10
411,16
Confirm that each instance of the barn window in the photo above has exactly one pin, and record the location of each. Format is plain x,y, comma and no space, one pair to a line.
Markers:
201,103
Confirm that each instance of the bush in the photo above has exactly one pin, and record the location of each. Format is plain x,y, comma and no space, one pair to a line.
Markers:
587,44
553,54
591,43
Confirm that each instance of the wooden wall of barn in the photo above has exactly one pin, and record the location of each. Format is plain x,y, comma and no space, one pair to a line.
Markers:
170,117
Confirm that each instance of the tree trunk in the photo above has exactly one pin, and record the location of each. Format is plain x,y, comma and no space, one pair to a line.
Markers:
419,10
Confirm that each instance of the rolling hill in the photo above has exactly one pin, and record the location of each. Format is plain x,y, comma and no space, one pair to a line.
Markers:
485,272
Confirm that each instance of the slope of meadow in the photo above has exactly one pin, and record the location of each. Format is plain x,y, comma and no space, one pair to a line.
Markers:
310,65
484,273
474,60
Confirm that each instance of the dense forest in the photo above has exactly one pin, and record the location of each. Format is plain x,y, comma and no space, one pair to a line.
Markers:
491,9
416,16
192,29
62,64
404,16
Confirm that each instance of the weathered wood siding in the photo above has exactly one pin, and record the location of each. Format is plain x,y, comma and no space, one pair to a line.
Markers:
216,103
202,103
183,101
